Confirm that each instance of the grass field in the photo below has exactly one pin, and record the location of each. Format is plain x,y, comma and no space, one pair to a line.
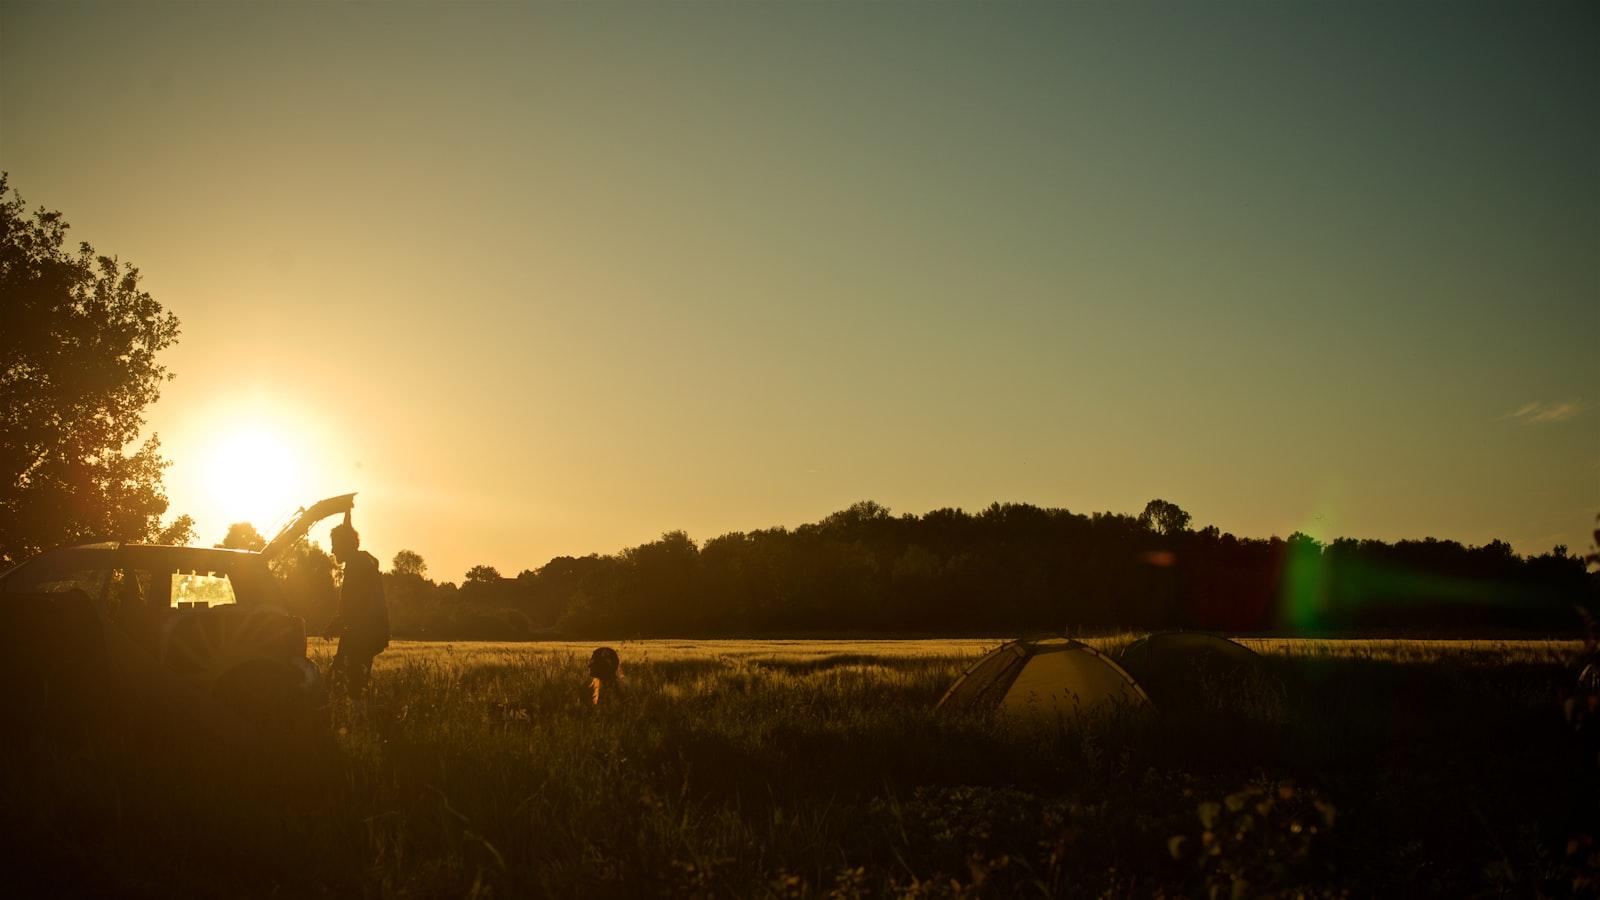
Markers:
818,768
960,649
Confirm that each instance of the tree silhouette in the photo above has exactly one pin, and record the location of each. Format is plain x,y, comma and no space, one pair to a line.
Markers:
483,575
78,348
409,562
179,532
243,536
1013,567
1164,518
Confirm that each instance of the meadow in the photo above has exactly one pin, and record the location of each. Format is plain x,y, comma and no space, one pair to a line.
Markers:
820,768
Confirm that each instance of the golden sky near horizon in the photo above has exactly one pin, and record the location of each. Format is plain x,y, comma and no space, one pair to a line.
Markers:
554,280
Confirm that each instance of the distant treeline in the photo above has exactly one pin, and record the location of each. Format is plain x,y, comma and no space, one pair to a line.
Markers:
1010,568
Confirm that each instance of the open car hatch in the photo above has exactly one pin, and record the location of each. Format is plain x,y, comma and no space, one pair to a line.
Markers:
306,516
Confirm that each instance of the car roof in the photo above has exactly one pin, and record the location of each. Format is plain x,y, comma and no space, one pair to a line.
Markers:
156,556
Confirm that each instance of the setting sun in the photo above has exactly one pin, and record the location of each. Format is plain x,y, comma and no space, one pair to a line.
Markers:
253,475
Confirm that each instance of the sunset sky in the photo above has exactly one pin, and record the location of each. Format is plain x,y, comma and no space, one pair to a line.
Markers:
554,280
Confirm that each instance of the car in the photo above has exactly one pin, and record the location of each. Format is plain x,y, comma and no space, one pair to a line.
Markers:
190,636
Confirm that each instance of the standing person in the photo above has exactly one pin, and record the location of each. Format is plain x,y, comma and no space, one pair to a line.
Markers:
362,624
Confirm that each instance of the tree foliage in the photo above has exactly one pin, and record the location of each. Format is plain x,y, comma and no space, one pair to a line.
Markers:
1009,568
410,563
1163,517
243,536
482,575
79,342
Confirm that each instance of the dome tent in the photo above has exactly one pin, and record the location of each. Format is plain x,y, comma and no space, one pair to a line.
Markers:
1184,666
1041,678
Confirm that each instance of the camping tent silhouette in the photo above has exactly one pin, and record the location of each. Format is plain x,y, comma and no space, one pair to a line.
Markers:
1044,678
1180,667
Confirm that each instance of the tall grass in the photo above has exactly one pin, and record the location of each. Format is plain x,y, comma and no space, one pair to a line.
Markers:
801,768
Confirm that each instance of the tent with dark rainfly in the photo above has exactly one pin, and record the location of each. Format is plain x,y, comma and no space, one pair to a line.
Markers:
1042,679
1186,667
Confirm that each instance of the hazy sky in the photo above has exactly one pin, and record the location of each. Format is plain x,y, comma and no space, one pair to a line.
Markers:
555,280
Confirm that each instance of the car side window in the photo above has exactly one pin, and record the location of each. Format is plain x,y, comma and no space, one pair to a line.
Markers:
201,590
129,594
58,581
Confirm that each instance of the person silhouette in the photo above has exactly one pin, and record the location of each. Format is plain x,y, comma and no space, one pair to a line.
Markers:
605,673
362,624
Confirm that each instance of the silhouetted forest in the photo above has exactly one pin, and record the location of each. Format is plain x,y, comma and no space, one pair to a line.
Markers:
1010,568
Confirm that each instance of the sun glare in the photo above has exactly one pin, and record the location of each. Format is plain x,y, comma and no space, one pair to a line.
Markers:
252,476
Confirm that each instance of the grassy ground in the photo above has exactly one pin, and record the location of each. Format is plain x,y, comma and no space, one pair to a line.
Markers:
803,768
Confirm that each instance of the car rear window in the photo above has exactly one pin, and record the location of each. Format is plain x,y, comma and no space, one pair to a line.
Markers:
201,590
